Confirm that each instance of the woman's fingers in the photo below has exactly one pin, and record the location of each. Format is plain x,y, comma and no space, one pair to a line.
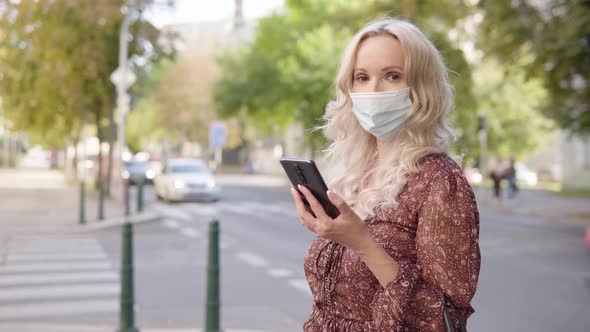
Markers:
339,202
299,206
304,217
316,207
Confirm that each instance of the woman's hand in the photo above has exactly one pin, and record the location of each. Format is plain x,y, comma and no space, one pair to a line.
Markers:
347,229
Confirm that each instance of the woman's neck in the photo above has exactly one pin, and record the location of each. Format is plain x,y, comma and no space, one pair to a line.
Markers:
385,150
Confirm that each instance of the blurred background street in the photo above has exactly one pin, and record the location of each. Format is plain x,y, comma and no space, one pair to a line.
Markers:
535,273
189,105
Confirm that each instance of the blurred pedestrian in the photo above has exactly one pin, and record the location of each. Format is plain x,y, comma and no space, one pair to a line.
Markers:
406,239
496,174
510,176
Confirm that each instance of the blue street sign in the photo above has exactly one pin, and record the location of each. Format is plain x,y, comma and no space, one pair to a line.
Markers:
218,134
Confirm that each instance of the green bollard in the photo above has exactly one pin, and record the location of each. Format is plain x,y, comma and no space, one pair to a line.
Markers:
100,200
126,198
82,203
127,302
212,319
140,196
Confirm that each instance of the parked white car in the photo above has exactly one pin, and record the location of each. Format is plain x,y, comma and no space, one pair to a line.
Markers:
186,179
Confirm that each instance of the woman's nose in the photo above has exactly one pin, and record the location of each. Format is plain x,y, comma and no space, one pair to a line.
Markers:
376,86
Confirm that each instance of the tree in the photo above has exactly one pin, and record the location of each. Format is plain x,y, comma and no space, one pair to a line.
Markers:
511,103
552,41
287,73
57,59
177,105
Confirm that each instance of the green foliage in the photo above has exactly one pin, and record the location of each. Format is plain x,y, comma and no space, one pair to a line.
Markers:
142,122
511,103
287,73
56,57
552,41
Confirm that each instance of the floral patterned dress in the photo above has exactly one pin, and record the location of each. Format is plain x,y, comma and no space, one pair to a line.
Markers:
434,236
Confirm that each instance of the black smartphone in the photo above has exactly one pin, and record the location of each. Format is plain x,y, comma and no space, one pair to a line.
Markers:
304,172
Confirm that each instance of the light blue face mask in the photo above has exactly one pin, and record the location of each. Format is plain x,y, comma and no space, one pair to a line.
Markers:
381,113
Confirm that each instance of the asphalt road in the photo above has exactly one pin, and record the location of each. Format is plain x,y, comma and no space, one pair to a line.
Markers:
534,277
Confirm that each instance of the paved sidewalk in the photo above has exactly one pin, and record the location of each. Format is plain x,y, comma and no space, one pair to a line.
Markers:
541,205
51,267
35,201
40,201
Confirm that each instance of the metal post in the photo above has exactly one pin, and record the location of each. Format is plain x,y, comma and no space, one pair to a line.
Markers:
127,315
4,137
212,319
140,195
127,301
122,85
82,203
127,297
127,200
101,200
84,171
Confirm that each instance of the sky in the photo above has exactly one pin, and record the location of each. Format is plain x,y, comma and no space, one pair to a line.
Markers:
190,11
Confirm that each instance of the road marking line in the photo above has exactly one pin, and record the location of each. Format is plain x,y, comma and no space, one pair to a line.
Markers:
233,208
55,257
172,212
57,308
300,285
37,241
171,224
55,248
55,278
224,244
190,232
203,210
255,208
62,291
58,266
274,209
279,273
252,259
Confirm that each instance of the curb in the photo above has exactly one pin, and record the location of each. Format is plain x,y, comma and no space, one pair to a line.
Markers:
118,221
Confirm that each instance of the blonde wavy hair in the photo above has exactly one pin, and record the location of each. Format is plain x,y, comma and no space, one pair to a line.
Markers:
351,157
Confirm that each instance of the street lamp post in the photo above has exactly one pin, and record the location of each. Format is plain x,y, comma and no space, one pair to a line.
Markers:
122,82
123,78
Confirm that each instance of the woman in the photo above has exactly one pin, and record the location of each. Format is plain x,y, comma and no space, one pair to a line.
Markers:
510,175
407,235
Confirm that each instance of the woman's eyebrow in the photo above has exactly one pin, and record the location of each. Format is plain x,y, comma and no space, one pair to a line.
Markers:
384,69
391,67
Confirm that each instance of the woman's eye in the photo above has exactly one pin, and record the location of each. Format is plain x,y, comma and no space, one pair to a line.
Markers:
361,78
392,76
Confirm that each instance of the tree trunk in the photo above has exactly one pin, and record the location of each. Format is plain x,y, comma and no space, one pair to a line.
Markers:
75,160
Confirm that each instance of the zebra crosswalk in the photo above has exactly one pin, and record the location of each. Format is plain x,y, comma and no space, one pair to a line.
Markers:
266,212
56,276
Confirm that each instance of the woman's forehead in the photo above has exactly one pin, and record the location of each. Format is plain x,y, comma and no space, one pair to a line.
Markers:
378,52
